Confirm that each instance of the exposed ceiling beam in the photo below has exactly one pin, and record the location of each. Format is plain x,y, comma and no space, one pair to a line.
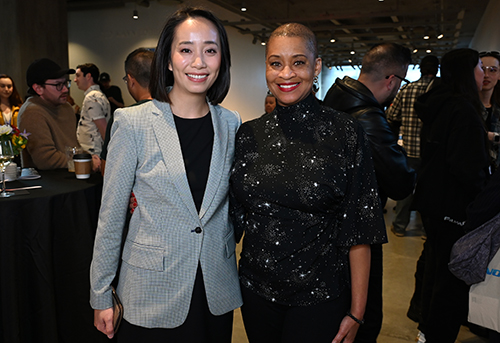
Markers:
338,16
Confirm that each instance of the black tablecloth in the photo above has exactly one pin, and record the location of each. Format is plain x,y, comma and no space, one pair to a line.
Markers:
46,241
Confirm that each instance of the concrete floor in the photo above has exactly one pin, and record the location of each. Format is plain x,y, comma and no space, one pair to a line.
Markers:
400,257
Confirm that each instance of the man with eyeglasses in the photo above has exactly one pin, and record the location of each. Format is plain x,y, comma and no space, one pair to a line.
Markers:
383,69
490,97
95,113
47,116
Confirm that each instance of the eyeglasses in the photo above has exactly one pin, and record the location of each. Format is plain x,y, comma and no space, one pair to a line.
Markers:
60,85
399,77
491,69
125,79
489,53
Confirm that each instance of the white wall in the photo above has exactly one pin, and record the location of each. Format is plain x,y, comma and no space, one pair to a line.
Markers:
487,36
117,34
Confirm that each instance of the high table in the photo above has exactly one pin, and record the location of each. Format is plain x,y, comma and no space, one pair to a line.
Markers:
46,242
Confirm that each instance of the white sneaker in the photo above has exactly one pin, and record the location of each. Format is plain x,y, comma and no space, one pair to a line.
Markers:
420,337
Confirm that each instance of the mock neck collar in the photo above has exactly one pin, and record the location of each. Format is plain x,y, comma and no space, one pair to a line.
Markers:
299,111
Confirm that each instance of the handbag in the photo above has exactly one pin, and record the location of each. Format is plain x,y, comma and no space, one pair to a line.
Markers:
471,254
484,298
117,310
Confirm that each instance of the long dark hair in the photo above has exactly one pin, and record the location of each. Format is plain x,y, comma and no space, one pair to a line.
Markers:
14,98
457,72
162,77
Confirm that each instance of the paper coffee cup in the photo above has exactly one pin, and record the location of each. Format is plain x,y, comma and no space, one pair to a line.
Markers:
83,165
11,172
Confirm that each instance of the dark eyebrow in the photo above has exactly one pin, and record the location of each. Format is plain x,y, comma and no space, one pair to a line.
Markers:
205,42
294,56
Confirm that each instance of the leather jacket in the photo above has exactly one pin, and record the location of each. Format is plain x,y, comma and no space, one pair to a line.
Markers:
395,178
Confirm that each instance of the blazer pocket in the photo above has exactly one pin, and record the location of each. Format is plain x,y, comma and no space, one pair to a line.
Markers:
230,244
143,256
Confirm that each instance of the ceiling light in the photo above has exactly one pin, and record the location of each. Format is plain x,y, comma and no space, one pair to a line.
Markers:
353,52
349,60
426,37
262,43
415,51
135,15
332,40
440,36
243,8
428,51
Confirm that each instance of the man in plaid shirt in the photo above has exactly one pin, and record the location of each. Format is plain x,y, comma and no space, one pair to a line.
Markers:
403,119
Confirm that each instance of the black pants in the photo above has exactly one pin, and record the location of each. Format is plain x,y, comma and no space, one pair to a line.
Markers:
268,322
443,298
415,310
369,331
200,326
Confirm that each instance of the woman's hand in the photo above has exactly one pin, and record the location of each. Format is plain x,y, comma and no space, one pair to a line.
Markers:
347,331
103,321
359,262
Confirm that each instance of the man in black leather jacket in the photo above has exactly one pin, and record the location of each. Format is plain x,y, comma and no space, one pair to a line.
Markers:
383,68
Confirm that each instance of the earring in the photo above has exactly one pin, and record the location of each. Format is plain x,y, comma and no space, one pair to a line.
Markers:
315,86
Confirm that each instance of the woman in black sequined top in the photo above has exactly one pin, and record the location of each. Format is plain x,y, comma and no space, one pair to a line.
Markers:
304,193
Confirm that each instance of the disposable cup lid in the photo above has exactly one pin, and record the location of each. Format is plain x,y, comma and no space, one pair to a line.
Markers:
82,156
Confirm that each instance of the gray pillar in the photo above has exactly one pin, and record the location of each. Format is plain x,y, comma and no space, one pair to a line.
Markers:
31,29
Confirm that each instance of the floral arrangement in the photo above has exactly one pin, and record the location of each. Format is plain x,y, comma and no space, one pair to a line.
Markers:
18,138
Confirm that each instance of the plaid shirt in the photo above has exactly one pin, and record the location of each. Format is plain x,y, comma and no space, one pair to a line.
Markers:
402,111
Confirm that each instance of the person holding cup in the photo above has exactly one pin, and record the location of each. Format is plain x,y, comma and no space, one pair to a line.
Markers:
303,191
178,279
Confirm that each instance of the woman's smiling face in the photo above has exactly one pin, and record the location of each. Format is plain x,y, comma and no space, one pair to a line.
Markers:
195,57
290,69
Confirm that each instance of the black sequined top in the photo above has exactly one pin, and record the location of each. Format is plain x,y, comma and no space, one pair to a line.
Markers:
303,190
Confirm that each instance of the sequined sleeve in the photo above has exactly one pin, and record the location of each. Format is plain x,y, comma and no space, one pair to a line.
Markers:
244,142
361,218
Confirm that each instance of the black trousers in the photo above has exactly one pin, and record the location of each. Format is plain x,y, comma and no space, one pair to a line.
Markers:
369,331
415,309
200,326
268,322
444,298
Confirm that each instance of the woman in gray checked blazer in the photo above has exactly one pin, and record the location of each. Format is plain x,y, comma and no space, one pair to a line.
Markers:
178,279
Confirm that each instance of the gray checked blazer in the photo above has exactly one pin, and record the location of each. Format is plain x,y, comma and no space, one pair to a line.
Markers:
167,237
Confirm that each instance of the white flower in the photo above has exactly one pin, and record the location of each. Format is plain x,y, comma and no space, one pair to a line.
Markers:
5,129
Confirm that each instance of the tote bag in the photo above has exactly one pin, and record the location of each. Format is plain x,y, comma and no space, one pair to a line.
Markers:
484,297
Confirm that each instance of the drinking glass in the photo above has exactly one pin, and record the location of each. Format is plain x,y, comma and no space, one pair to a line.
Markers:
6,156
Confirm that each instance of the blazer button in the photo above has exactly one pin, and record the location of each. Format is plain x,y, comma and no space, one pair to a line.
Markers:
198,230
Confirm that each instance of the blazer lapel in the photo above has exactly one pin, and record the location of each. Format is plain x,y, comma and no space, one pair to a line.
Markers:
170,147
218,160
